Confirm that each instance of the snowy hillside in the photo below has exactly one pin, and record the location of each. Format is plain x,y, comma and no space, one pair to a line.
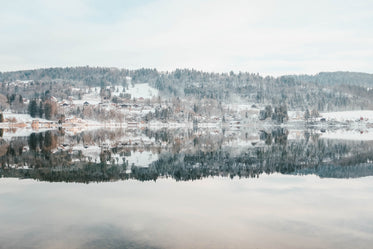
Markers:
142,91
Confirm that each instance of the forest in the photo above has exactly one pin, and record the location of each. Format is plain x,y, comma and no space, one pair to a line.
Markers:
327,91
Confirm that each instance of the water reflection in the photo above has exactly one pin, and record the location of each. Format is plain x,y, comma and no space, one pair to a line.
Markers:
298,194
275,211
110,155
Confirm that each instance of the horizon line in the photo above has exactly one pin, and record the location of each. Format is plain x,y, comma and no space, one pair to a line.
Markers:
192,69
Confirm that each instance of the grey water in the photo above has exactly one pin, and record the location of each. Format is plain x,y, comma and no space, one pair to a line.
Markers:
185,189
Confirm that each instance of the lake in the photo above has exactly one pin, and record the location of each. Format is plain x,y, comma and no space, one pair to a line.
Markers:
239,188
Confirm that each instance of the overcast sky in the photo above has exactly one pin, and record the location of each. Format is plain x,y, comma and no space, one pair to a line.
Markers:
264,36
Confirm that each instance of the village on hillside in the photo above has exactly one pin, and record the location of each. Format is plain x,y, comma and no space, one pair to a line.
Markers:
76,107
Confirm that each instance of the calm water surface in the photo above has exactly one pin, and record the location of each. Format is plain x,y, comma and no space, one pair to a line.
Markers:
229,191
273,211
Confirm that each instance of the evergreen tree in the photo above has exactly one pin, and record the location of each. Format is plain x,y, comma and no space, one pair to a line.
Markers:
48,110
281,114
268,110
41,110
33,108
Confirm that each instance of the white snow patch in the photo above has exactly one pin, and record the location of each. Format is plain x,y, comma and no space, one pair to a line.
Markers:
348,116
141,159
364,135
142,90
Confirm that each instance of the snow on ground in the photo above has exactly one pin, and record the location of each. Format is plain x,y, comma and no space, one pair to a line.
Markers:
365,135
241,107
348,116
296,134
142,90
21,132
92,97
90,100
22,118
92,151
295,115
141,159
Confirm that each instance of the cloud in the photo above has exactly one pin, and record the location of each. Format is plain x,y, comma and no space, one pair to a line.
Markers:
257,36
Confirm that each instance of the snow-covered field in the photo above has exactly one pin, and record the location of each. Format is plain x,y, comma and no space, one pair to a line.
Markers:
364,135
142,90
344,116
348,116
141,159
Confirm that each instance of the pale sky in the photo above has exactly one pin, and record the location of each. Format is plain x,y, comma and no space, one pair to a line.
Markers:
258,36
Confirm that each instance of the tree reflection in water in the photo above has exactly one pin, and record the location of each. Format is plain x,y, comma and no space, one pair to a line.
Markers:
104,155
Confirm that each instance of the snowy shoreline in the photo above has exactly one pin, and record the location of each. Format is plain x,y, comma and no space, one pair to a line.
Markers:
349,125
